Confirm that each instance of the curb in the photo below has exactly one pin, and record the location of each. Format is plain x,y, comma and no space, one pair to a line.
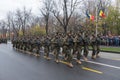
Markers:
108,51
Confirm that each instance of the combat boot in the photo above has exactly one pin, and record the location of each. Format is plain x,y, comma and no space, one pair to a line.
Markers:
79,62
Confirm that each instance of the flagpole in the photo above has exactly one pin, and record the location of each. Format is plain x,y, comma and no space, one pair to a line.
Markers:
96,29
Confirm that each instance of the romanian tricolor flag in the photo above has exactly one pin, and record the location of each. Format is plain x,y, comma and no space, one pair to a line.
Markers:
91,17
102,14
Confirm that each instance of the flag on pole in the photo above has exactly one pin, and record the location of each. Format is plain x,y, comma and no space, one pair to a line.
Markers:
87,14
91,17
102,14
101,10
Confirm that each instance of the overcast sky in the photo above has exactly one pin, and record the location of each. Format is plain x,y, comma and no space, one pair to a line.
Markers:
12,5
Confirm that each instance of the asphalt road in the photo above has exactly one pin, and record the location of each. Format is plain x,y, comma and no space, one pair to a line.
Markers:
15,65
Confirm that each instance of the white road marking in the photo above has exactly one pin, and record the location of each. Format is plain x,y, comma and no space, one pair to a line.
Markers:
116,59
116,67
9,42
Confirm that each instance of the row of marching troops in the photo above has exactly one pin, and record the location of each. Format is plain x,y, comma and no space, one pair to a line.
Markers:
3,40
68,45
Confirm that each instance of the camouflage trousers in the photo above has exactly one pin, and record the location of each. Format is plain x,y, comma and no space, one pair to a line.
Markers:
46,50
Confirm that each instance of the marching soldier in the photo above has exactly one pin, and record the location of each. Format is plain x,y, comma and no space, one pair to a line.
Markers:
86,46
69,45
93,44
24,44
64,46
37,46
98,42
69,49
47,43
57,46
79,47
31,46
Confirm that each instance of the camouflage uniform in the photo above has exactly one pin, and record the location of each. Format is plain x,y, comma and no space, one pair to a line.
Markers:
69,49
93,44
86,46
58,45
79,47
37,44
47,43
98,42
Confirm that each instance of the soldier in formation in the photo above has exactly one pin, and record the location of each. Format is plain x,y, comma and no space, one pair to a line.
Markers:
68,45
3,40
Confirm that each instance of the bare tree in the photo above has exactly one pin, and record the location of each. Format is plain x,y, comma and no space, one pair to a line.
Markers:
9,22
46,10
63,11
91,6
13,23
34,20
18,21
75,22
23,18
3,28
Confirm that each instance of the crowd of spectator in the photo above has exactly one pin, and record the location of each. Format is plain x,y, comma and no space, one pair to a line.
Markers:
3,40
110,40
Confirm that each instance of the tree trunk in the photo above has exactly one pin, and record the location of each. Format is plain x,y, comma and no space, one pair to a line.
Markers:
46,27
65,29
17,34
